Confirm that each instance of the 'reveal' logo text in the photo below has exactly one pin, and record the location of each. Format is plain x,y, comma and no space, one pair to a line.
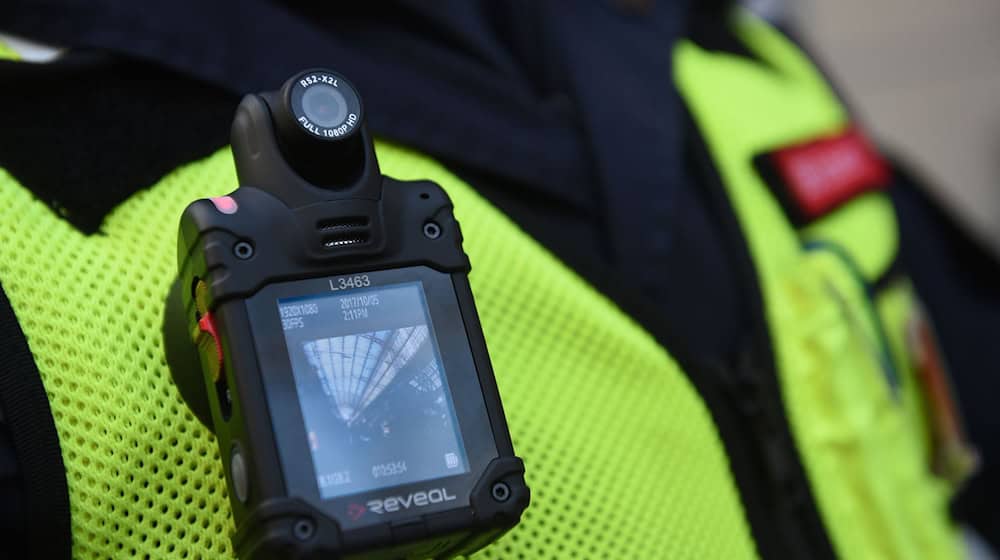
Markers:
422,498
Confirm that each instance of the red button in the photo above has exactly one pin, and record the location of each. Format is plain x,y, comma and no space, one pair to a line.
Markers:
210,345
225,204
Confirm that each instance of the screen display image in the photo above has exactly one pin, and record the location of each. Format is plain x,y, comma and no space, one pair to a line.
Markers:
372,388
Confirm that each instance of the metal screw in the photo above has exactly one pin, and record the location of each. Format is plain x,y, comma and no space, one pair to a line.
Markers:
304,529
243,250
432,230
501,491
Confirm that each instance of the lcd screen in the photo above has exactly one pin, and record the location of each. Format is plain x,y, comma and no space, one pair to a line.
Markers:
372,388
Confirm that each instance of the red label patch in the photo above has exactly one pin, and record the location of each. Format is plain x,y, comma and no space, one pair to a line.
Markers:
822,174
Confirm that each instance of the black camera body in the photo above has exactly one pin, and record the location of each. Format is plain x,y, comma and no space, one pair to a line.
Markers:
323,327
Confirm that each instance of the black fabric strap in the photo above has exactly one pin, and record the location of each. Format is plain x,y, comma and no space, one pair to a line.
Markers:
42,530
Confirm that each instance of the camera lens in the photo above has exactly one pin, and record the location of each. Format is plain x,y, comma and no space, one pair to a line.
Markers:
324,105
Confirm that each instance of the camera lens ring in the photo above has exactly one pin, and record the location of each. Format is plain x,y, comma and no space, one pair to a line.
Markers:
324,105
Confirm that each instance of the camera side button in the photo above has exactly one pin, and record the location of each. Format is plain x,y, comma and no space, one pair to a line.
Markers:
238,474
207,339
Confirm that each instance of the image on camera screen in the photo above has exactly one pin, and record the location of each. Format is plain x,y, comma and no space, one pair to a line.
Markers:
372,389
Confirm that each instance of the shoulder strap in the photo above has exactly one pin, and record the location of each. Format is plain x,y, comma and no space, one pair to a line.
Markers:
40,480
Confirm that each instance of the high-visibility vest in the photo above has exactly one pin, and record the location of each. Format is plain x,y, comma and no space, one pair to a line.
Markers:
855,409
622,453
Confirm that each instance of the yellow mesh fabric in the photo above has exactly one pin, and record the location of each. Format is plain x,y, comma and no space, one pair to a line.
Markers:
862,449
621,453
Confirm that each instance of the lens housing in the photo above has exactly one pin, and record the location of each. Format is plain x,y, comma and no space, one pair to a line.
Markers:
319,120
324,105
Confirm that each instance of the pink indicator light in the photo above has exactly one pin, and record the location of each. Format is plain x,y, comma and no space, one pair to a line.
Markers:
225,204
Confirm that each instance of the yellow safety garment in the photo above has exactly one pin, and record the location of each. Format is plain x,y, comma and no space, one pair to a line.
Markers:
863,446
622,456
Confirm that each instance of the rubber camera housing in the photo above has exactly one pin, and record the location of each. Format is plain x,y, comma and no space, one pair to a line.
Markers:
315,221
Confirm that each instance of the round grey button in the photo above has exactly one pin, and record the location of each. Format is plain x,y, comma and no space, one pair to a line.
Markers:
238,474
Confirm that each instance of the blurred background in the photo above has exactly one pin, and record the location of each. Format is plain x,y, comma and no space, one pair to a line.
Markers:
925,77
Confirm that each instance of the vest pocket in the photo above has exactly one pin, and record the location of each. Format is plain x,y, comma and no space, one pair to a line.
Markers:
852,414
